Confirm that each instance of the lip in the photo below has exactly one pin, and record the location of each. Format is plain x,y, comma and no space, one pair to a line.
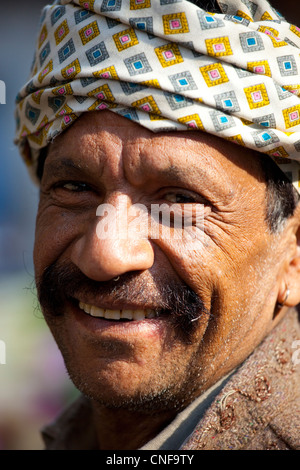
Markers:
98,327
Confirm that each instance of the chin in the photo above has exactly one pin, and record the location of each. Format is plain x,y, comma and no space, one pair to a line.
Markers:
115,388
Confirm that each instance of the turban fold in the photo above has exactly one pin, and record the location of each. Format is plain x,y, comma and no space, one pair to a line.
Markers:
167,65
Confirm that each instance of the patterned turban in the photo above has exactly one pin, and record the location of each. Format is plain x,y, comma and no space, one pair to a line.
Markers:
167,65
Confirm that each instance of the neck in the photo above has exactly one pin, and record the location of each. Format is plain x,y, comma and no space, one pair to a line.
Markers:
118,429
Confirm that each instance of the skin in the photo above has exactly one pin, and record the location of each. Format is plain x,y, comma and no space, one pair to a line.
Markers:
139,374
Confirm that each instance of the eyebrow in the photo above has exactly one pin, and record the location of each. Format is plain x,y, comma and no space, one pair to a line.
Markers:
60,166
174,173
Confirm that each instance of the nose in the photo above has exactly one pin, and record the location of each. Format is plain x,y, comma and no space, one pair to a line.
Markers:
104,252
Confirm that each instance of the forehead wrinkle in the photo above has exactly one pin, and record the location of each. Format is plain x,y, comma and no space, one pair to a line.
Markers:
86,151
161,155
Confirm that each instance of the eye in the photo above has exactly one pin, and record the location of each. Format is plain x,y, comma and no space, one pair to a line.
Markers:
73,194
181,198
74,186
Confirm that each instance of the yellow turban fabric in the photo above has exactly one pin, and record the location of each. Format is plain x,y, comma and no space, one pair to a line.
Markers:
167,65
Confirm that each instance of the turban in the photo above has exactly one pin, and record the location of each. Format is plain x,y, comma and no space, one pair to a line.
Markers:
167,65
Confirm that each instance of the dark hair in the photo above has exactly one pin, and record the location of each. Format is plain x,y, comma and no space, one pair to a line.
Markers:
41,162
282,197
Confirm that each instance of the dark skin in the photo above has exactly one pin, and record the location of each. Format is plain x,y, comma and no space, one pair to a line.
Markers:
141,373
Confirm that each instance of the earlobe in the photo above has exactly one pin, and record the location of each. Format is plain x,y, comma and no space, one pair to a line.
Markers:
283,296
289,289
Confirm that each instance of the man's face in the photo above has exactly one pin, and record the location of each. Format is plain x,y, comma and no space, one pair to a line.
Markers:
228,278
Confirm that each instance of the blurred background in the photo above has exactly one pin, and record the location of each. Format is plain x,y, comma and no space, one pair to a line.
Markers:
34,386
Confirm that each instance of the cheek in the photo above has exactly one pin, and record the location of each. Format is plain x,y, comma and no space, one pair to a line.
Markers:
222,265
197,262
55,231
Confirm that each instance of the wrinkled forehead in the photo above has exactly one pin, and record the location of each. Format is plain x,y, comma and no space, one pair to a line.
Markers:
100,141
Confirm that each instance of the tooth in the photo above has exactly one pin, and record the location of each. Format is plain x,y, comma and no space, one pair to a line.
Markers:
87,308
84,306
112,314
127,314
150,313
97,312
138,315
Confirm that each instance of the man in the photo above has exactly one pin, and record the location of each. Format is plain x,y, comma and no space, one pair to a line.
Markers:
186,340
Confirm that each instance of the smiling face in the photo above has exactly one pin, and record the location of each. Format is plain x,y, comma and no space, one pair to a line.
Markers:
230,276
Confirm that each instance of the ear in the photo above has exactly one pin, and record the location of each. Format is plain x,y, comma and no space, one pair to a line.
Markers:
289,286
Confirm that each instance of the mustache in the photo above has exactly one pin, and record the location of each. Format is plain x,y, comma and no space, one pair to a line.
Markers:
59,283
